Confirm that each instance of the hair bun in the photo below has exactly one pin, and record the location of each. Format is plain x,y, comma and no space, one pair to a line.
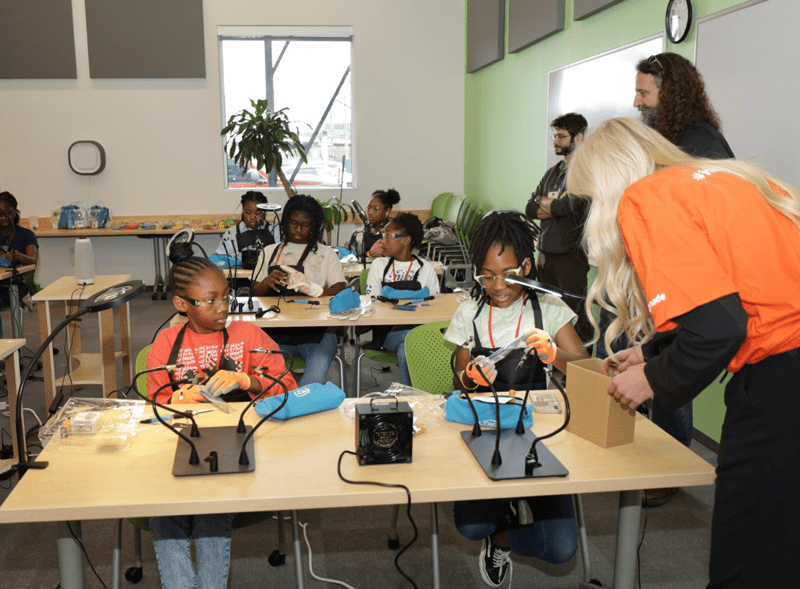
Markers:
392,196
180,251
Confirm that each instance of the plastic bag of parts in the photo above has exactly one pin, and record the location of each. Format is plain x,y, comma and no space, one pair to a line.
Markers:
73,216
367,309
100,216
96,424
428,409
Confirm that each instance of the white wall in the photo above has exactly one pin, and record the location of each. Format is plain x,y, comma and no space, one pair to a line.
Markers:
163,149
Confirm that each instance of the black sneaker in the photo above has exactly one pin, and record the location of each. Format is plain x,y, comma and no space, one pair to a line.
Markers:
494,563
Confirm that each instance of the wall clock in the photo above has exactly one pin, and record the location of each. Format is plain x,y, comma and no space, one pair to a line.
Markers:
678,19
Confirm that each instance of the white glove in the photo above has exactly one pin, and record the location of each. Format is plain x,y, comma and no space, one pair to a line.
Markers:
298,281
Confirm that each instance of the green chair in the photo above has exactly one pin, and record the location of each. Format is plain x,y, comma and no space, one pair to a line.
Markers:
428,355
381,356
439,204
140,524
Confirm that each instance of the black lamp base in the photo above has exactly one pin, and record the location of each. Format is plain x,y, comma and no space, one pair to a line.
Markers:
513,450
219,449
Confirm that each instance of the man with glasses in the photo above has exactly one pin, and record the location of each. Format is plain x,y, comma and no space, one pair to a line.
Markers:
562,261
672,98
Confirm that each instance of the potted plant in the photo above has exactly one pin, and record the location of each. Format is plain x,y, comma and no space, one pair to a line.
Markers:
335,212
263,137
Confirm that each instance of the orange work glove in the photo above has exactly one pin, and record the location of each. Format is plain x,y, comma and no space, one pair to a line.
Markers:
225,381
188,393
487,366
541,342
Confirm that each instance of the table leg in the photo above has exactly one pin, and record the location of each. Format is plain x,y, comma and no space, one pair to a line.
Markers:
125,344
48,368
16,309
435,544
109,354
12,379
630,511
298,553
70,557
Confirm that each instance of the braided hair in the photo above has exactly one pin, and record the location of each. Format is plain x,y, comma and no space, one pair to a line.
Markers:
186,267
253,196
304,204
410,224
506,229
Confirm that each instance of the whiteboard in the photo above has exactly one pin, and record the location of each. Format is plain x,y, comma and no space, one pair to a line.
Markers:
748,58
599,88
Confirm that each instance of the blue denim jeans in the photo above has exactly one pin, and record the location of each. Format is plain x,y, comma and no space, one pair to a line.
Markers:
553,535
317,356
395,342
212,540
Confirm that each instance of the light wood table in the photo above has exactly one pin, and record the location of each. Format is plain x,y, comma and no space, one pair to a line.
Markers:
441,308
9,350
296,469
97,368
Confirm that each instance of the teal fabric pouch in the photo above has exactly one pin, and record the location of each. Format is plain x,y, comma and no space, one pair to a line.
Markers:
457,409
302,401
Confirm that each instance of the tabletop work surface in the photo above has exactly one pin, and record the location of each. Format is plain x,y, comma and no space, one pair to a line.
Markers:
292,314
296,468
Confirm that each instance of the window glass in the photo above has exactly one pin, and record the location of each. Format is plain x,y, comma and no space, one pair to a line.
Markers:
311,76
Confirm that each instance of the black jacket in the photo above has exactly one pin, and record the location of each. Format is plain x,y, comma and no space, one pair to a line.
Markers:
562,233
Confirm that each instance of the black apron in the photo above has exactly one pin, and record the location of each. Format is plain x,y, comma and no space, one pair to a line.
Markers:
379,333
224,363
248,244
292,335
507,377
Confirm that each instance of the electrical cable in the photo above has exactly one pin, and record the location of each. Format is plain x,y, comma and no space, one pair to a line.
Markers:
86,555
310,564
639,549
408,512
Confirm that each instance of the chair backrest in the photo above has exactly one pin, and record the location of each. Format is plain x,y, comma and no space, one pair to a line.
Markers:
454,207
428,355
439,204
141,364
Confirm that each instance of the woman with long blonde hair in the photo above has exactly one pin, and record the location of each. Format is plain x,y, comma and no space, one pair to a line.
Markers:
711,247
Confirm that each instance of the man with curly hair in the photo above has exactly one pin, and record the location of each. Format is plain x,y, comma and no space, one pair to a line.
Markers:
672,98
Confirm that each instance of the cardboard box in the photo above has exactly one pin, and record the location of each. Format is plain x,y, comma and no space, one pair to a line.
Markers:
594,414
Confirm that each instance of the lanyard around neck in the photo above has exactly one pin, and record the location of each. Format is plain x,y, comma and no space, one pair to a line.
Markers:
519,322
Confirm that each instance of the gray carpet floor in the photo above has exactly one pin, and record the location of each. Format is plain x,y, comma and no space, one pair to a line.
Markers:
350,545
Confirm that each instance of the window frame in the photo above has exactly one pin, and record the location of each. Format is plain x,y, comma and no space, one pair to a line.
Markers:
289,33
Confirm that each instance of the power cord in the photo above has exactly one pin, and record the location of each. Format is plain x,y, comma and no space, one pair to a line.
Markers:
408,512
86,555
310,565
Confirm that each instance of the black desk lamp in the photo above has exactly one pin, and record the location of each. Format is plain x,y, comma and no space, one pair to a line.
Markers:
109,298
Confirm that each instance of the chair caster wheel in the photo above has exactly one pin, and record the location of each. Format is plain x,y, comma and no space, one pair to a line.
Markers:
134,574
394,543
276,559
